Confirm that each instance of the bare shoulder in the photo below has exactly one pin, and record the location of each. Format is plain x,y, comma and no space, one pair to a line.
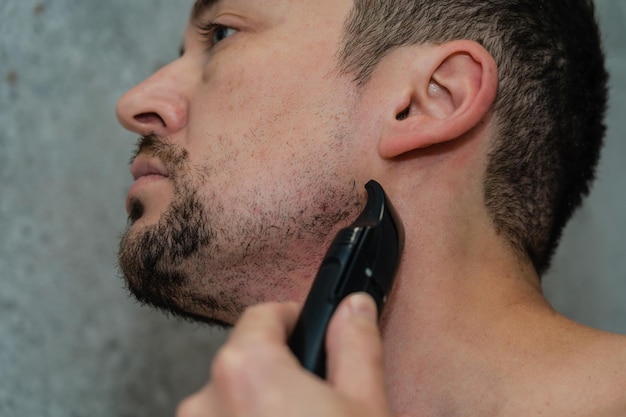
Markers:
562,368
609,351
606,371
590,369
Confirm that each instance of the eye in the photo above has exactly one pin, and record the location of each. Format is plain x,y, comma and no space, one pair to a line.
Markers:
213,33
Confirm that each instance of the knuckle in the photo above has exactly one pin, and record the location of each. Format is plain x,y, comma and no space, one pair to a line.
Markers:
238,367
227,364
189,407
233,367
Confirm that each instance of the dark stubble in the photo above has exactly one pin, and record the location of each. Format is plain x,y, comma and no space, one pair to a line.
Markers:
206,260
150,258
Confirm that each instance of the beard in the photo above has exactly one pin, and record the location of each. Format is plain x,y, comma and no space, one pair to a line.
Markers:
152,259
197,262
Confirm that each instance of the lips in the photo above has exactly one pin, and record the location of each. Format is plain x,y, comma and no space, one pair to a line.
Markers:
143,167
145,171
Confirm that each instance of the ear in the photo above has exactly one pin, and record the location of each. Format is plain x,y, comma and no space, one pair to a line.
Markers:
449,89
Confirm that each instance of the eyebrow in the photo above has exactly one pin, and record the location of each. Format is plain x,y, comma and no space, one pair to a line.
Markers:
200,6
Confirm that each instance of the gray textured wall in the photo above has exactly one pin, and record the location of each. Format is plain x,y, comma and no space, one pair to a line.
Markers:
71,342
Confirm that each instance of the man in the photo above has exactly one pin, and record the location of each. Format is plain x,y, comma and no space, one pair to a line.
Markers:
483,122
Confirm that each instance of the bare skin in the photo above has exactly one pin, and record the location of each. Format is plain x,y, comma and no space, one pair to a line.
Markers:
466,330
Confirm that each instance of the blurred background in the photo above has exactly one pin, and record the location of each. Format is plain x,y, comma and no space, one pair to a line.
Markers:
72,343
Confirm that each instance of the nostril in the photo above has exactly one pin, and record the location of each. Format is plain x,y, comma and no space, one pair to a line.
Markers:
150,118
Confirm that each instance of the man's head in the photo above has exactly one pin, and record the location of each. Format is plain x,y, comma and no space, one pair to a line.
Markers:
549,108
250,134
264,131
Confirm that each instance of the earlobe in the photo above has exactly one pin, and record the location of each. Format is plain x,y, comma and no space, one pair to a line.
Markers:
453,87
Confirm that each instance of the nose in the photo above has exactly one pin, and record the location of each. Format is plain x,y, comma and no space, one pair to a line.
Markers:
159,105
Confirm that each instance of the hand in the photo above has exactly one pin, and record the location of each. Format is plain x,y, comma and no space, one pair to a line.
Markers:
255,373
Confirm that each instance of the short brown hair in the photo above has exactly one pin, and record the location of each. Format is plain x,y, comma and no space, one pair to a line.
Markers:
549,108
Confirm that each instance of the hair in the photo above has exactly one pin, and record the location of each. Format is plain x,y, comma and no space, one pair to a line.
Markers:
549,109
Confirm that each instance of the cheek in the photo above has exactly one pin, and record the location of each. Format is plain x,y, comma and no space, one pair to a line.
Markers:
250,109
261,79
261,116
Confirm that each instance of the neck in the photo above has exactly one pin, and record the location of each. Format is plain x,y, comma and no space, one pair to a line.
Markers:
454,299
466,329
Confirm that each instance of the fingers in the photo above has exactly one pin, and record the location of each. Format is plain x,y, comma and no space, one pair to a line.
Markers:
255,365
355,352
197,405
255,374
271,322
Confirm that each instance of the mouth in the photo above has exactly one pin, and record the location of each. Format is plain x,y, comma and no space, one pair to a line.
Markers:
145,171
143,167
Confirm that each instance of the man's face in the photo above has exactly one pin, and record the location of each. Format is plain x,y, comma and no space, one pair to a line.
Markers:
252,136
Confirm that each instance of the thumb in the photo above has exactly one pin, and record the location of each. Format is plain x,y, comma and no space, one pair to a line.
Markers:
355,352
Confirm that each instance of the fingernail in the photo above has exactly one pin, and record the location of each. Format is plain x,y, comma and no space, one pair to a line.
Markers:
363,305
